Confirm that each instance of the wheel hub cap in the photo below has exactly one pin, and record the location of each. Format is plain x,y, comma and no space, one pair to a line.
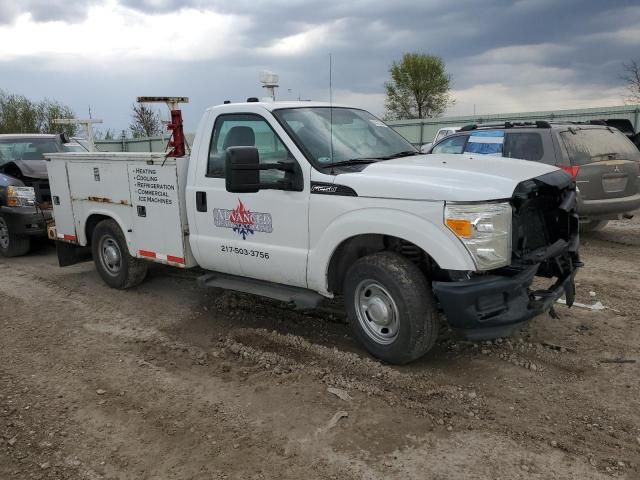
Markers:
110,255
377,312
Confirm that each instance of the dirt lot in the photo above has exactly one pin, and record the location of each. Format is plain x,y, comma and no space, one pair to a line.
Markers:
168,381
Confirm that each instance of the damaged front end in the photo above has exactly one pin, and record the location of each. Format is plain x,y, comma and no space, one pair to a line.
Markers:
544,243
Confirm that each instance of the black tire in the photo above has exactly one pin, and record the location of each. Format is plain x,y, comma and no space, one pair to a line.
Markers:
389,275
12,245
593,225
111,256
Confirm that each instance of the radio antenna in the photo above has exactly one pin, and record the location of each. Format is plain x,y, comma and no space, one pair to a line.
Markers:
331,113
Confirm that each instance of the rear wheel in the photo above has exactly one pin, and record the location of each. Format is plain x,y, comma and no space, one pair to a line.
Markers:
593,225
390,307
111,256
12,245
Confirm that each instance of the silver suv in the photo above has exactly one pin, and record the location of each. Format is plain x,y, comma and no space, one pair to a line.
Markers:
604,162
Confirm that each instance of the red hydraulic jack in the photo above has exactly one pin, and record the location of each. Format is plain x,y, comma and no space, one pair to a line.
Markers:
177,143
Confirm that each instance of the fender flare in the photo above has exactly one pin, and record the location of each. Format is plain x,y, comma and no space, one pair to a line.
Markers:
437,241
82,236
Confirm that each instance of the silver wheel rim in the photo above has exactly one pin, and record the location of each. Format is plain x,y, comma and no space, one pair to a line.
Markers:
4,234
377,312
110,255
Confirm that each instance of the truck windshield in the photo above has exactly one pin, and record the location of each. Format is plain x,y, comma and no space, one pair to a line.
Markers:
596,144
357,135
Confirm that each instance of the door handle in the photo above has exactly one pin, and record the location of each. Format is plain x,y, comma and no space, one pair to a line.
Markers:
201,201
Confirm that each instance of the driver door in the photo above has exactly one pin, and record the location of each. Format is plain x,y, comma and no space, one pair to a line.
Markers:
262,235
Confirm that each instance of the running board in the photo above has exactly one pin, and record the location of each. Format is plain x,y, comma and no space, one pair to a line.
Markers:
302,298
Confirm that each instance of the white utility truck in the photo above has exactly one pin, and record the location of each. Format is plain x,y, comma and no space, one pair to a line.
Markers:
300,201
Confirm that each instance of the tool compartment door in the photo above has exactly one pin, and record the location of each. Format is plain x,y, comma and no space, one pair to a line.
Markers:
99,188
61,200
157,221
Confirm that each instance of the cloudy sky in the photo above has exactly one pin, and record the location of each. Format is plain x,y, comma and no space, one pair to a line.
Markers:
504,56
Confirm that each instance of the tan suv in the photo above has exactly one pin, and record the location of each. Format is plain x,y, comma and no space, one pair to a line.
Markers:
604,162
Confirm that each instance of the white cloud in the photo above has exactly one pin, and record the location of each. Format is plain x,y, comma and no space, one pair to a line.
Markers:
312,37
516,74
373,102
624,36
112,33
536,53
501,98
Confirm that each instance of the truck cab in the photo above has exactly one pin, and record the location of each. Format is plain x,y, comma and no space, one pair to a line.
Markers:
302,200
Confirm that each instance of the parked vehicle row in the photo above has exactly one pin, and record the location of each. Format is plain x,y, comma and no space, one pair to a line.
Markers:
601,159
301,201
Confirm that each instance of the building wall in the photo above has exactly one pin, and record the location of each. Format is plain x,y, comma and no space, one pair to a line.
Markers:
423,131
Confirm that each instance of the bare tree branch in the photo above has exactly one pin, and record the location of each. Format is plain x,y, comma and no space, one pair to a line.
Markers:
145,121
631,77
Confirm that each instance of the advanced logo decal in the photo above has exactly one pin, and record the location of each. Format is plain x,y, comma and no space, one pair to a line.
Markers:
243,221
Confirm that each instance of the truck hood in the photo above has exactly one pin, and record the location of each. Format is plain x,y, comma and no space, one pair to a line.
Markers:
456,178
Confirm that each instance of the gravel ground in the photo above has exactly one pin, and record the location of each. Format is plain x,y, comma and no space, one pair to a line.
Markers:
168,381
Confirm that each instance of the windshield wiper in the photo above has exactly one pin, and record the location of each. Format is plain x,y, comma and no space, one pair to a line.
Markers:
351,161
357,161
405,153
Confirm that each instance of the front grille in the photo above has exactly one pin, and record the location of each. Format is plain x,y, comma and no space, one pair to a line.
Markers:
542,222
531,232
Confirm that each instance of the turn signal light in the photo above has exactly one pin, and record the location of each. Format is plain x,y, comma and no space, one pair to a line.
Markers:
573,170
462,228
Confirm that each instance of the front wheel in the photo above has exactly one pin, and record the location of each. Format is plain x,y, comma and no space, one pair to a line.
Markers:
111,256
390,307
12,245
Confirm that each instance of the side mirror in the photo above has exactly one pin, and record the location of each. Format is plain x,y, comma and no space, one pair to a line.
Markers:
242,170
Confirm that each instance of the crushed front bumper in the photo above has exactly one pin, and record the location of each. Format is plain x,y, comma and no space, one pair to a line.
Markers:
492,306
26,220
545,244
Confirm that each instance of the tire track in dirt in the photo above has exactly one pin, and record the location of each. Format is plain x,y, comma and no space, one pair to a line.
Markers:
184,348
175,416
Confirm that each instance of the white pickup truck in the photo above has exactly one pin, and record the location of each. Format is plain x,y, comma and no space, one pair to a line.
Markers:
301,201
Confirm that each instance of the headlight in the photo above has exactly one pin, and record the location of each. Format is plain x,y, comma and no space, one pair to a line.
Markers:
484,229
21,196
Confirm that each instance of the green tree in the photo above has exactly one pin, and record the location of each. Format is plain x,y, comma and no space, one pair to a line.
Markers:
145,121
18,114
418,88
49,110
